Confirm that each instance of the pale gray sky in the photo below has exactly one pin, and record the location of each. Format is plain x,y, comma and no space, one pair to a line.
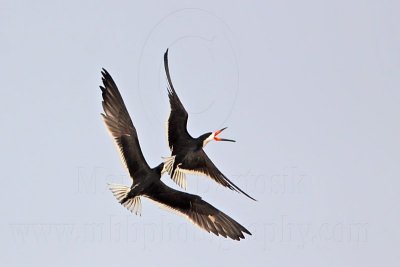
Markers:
309,89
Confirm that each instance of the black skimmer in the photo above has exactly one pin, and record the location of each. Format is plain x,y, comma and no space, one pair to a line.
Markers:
146,180
187,154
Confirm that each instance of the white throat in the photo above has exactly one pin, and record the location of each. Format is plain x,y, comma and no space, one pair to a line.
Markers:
210,138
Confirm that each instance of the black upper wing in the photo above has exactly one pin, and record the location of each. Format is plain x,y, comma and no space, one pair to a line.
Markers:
198,211
199,162
120,126
177,121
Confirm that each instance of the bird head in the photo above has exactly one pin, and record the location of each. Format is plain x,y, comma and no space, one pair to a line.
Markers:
214,136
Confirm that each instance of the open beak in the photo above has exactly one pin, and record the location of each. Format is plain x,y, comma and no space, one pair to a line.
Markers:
216,138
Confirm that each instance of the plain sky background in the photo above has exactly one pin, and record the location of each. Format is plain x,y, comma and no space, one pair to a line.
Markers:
309,89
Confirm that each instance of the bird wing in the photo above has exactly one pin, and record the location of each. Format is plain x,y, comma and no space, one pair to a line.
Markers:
199,163
120,126
198,211
177,121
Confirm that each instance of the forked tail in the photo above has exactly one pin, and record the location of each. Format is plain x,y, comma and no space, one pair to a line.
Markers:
120,192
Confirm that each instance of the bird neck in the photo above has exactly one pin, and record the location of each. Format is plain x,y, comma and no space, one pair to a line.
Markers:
159,169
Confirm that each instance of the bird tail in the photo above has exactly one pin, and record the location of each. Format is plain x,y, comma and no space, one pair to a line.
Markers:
120,192
177,175
168,164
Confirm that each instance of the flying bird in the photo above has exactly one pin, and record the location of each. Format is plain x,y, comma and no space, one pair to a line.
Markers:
146,181
187,154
